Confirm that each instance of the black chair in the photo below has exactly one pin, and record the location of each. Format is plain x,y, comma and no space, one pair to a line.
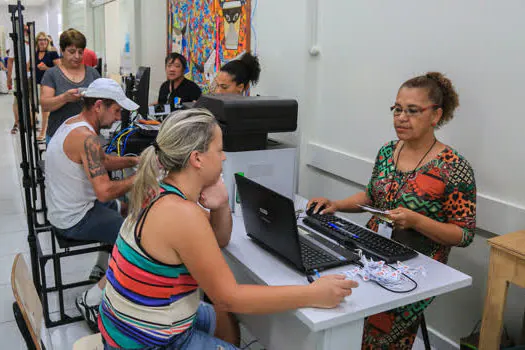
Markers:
70,248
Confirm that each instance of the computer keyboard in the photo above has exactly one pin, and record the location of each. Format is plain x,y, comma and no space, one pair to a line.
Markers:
314,257
348,234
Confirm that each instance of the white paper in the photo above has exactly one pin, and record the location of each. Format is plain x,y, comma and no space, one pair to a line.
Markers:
385,230
373,210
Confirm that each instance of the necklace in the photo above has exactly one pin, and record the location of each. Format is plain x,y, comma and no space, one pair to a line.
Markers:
405,179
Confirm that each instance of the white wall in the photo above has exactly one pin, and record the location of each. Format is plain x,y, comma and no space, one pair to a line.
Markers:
151,42
112,39
45,18
367,50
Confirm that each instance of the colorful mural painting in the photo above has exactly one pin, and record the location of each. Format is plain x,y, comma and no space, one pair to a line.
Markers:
208,33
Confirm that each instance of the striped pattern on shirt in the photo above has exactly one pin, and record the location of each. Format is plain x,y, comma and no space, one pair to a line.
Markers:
145,302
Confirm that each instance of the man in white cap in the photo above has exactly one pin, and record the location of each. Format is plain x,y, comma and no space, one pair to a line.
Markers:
81,196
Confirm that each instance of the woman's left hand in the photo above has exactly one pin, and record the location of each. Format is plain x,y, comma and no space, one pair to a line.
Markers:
404,218
215,196
42,66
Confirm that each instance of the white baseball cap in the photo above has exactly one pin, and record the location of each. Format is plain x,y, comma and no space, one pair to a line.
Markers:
109,89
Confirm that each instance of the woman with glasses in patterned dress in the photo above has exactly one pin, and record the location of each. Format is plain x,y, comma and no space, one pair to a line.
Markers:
428,189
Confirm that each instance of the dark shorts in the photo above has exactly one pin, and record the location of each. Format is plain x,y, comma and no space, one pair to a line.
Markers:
101,223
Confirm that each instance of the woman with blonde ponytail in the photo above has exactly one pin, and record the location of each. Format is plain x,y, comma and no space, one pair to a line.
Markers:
169,247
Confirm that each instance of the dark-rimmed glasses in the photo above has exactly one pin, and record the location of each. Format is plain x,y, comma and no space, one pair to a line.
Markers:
411,111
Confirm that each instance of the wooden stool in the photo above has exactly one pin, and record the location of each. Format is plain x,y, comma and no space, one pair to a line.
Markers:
507,265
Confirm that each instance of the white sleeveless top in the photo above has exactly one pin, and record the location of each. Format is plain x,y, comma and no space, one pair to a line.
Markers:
68,190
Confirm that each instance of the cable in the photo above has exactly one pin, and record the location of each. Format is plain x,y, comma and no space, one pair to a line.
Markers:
358,263
126,140
118,140
111,147
398,291
249,344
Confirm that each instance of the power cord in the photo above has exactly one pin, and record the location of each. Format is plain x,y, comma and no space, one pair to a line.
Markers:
310,279
249,344
399,291
298,213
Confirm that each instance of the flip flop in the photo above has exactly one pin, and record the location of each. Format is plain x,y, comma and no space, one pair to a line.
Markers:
14,130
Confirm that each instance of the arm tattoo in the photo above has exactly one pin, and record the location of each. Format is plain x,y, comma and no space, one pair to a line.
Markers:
95,155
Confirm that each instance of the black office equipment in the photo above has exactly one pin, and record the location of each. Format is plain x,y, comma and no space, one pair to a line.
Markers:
246,120
129,85
98,67
141,89
372,244
269,219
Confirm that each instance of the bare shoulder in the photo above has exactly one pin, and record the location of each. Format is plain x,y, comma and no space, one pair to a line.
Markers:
178,207
75,143
176,215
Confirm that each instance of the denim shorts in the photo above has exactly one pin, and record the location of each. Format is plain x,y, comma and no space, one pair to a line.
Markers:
198,337
101,224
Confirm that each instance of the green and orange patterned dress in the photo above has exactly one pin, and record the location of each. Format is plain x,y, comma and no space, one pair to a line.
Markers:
444,190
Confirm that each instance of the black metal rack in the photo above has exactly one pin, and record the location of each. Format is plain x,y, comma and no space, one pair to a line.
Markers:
33,179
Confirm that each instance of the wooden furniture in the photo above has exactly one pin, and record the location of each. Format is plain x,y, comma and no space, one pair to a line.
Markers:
28,311
507,265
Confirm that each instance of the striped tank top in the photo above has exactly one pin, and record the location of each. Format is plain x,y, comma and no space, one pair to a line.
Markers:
145,302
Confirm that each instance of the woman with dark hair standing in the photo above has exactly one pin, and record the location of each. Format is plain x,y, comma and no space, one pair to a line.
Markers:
176,85
61,84
428,189
238,75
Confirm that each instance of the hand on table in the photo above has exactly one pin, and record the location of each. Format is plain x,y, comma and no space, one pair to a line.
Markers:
329,291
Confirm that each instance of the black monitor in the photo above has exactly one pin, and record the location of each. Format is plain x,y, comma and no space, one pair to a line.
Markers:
99,66
141,89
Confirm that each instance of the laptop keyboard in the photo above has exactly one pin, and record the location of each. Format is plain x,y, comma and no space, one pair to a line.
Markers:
314,257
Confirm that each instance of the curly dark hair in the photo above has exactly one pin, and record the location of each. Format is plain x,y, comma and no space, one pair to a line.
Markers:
245,70
440,91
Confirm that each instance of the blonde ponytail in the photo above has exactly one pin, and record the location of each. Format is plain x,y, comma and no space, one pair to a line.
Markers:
180,134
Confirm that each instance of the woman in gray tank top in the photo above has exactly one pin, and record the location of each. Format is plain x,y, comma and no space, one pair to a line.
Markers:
61,84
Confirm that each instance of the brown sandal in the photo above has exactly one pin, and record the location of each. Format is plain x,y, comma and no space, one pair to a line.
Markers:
14,130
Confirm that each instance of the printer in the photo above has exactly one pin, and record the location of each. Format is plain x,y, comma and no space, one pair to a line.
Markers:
246,120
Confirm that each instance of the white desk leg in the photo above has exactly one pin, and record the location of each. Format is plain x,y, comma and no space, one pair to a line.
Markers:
347,336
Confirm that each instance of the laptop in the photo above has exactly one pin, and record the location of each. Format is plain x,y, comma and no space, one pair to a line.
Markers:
270,221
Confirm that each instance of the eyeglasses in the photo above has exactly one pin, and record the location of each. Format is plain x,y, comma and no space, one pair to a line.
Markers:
411,111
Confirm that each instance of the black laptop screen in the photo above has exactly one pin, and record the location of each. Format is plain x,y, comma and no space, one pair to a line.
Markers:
269,218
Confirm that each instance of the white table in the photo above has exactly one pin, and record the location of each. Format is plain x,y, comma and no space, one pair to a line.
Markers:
309,328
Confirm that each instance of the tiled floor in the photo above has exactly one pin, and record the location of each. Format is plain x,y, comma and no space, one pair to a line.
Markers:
13,235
